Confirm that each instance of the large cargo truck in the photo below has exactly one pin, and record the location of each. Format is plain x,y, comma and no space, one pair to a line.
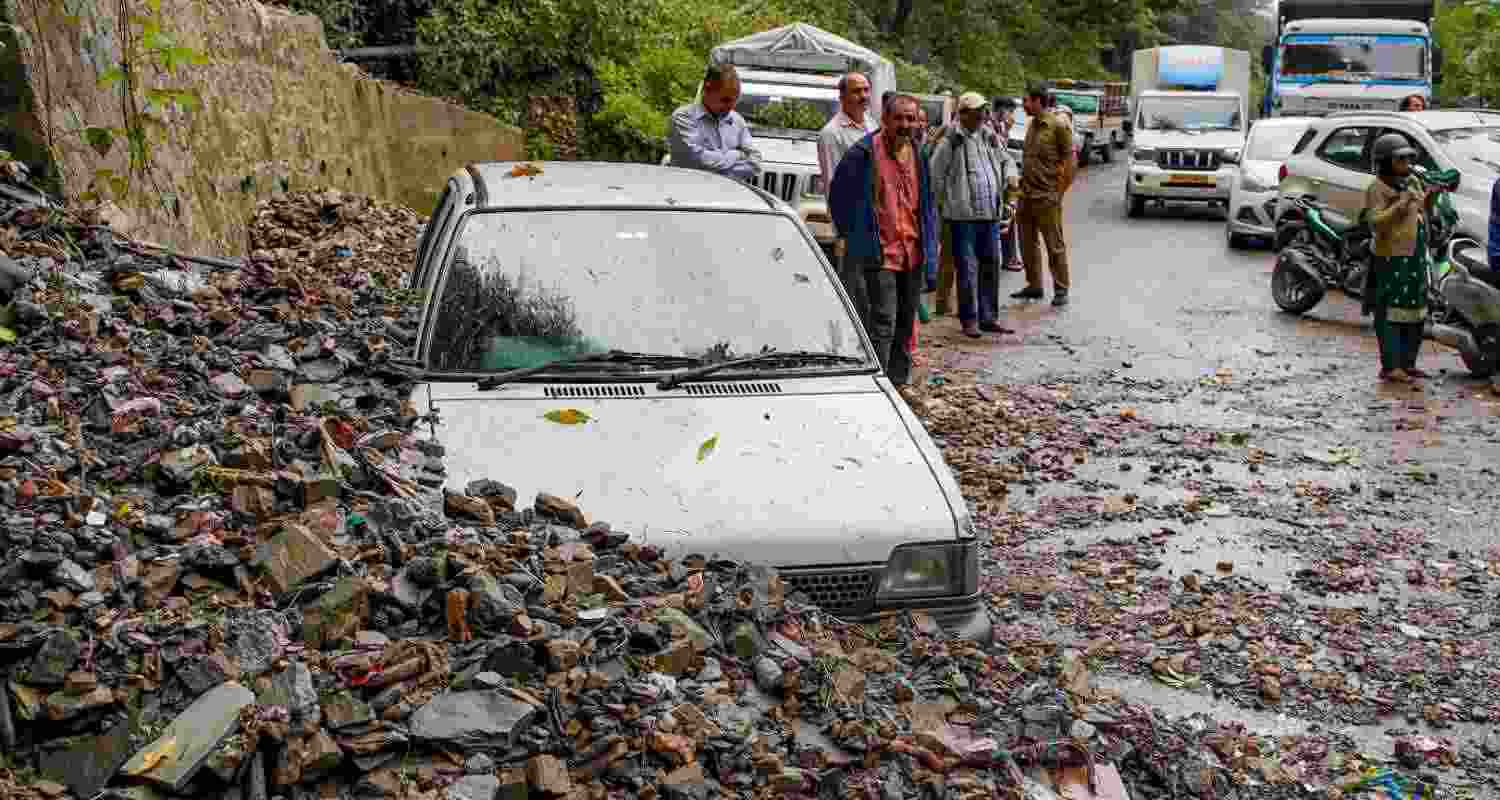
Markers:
1349,55
1190,107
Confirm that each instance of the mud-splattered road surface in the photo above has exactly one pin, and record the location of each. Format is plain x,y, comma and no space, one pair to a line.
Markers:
1218,504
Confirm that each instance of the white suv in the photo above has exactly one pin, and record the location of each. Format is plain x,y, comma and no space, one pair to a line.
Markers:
1332,160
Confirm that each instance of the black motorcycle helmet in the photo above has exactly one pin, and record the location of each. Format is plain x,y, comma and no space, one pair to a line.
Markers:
1388,148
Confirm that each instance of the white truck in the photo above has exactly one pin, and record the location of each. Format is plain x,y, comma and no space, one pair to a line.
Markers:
788,90
1191,108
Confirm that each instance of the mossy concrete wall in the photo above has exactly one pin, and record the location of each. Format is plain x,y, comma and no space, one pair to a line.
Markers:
279,112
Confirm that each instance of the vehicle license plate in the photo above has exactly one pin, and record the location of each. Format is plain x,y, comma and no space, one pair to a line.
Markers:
1197,179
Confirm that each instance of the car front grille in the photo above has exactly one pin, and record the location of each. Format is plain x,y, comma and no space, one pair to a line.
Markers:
781,184
1205,160
839,591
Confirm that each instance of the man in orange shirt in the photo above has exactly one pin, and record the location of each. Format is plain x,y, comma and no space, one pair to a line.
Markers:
881,203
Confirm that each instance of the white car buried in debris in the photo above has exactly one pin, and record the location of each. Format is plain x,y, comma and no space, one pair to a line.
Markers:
640,295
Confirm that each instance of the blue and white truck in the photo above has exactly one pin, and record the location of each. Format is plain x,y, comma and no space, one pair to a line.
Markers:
1349,55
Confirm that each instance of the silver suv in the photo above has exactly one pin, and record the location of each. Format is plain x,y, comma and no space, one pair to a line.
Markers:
1332,160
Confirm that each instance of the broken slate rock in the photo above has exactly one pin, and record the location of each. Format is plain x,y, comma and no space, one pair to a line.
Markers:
471,719
293,556
337,615
55,660
179,752
87,765
292,688
474,787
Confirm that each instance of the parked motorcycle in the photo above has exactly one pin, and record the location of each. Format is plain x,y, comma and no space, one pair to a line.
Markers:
1463,305
1316,252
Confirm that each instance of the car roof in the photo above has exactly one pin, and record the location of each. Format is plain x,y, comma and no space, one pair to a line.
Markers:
584,184
1284,122
1438,120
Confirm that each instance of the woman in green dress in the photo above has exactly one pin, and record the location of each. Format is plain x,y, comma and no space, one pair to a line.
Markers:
1396,291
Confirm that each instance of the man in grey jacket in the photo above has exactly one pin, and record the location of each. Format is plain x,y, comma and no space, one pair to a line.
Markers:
972,174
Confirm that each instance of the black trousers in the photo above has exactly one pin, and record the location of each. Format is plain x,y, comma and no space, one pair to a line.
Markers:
892,303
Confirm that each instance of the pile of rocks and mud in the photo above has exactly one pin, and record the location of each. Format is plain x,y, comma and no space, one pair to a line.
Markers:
232,569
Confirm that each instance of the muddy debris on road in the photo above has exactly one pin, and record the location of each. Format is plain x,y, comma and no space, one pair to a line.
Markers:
232,569
1257,570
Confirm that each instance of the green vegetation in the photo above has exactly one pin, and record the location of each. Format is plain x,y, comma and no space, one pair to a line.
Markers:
1469,34
630,62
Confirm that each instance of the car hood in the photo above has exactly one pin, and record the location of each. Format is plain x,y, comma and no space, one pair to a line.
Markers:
787,151
1202,140
802,478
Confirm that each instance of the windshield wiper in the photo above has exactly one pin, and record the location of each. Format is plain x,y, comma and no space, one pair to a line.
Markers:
612,357
678,378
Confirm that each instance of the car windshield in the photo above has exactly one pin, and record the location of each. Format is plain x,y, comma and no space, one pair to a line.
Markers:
793,107
1190,114
1313,56
527,287
1080,103
1472,149
1273,142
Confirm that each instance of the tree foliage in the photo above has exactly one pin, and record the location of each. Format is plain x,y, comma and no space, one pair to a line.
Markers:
630,62
1469,34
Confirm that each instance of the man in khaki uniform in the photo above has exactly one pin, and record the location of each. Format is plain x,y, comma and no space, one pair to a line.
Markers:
1046,173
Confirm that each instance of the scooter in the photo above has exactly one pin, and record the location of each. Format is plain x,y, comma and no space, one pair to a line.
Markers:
1317,253
1463,305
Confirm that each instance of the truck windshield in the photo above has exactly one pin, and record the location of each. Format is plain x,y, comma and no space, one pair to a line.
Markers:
1190,114
1305,55
793,107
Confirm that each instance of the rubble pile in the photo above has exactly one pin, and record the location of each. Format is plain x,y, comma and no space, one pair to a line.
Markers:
231,569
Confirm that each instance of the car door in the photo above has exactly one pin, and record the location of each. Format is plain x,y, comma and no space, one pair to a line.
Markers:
1342,169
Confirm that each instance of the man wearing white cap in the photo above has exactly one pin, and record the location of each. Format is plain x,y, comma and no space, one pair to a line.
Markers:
972,174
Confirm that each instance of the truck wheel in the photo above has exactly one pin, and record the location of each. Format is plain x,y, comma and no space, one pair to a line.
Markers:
1107,152
1135,205
1083,153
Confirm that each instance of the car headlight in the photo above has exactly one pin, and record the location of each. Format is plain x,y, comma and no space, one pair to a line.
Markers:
1232,154
1144,155
1249,183
930,570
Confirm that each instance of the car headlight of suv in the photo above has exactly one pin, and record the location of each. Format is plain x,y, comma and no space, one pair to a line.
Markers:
1232,155
930,570
1144,155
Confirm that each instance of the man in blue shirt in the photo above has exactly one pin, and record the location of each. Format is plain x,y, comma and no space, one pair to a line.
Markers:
710,135
1494,248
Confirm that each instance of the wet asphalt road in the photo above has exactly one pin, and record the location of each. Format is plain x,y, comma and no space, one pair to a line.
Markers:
1169,323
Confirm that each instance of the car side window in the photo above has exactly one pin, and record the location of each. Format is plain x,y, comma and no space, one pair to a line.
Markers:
1345,148
1424,158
